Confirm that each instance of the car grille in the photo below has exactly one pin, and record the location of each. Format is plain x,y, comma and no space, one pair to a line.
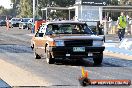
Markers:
79,43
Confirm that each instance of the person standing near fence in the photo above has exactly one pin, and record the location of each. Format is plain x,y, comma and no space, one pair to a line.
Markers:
122,23
99,28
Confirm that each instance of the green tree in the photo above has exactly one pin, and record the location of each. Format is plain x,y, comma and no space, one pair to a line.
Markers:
55,3
125,2
25,8
15,8
114,2
3,11
63,3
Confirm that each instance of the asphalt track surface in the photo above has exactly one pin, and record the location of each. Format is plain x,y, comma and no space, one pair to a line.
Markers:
15,49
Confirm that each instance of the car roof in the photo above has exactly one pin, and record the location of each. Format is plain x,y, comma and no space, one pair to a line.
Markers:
63,22
15,18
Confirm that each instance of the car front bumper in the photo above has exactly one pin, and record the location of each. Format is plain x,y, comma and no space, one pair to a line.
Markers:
67,52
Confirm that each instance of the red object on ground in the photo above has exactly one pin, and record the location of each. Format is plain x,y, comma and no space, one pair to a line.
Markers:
37,24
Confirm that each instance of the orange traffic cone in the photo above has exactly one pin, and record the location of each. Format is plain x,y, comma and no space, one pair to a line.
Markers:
84,80
84,73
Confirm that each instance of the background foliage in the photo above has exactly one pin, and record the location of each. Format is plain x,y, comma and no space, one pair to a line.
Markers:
24,8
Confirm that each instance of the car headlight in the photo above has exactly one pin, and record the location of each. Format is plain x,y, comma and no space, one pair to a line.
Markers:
59,43
98,43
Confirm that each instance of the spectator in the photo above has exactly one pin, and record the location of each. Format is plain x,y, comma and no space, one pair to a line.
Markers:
122,23
99,28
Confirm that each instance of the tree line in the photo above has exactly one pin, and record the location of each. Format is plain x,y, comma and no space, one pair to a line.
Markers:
24,8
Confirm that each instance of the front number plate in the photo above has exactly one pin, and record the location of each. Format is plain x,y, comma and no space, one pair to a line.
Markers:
78,49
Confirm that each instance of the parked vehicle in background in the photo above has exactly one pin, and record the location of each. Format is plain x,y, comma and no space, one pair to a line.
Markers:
62,40
24,23
30,23
2,22
14,22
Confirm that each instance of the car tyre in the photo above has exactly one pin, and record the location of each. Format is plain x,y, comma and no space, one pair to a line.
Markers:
36,55
98,59
49,58
32,47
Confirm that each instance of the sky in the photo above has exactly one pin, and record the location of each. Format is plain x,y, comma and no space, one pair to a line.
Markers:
5,3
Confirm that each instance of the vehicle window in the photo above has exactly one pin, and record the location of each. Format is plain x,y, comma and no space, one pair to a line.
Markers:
16,19
49,29
41,34
68,28
38,34
87,30
25,20
42,29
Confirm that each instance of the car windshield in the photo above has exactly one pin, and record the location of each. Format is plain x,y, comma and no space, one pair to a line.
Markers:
16,19
25,20
69,28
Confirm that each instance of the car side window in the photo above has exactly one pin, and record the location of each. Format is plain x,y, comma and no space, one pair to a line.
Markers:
49,30
39,34
41,29
87,30
44,29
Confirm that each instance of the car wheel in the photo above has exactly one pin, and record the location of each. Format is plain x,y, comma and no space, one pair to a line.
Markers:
36,55
49,58
98,59
32,47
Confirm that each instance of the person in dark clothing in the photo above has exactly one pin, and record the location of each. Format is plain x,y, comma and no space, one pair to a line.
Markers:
99,28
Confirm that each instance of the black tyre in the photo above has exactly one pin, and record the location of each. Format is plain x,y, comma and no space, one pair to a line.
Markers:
98,59
32,47
36,55
84,82
49,58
